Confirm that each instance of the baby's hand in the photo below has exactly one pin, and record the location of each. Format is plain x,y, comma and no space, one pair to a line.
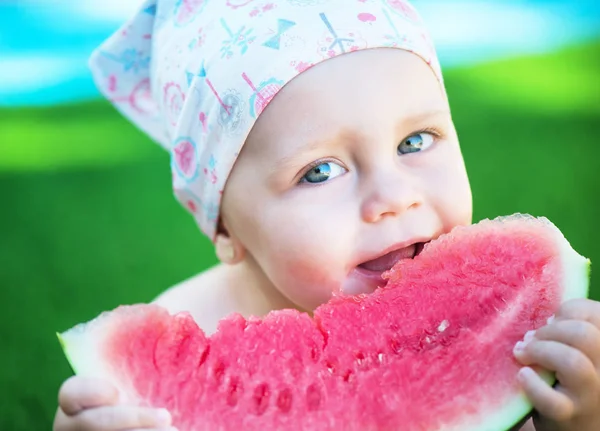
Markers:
569,346
92,405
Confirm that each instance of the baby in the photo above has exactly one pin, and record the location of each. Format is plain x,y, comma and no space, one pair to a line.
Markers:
312,141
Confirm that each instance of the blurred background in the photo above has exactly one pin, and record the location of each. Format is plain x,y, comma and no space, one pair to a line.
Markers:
88,220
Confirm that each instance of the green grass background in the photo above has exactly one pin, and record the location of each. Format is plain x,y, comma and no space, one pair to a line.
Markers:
88,220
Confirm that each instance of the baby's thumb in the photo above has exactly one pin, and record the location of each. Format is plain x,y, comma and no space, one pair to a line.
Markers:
79,393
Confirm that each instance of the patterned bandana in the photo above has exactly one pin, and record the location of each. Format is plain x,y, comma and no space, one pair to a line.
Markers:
196,74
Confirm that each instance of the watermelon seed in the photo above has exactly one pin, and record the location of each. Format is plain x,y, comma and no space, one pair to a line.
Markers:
313,397
360,358
219,372
204,356
284,400
395,346
234,392
443,326
380,357
261,398
330,367
348,376
423,342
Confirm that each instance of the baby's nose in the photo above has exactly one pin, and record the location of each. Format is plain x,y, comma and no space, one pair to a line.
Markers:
390,199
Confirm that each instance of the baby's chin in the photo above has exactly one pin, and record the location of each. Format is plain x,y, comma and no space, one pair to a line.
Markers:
353,284
310,294
361,282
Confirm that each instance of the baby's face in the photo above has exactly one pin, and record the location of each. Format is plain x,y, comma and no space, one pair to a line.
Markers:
356,158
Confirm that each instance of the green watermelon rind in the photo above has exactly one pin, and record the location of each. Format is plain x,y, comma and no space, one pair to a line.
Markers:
577,272
71,347
66,347
80,345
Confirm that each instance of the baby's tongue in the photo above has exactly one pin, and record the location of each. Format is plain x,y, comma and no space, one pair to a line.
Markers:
385,262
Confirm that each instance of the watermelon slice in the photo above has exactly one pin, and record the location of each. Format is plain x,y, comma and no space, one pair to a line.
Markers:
429,351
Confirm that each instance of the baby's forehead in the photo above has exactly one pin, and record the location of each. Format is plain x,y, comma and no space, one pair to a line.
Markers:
346,97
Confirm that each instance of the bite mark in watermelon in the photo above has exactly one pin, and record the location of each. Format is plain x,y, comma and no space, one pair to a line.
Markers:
429,351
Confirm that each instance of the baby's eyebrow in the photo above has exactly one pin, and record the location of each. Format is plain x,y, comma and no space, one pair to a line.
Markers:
420,117
290,161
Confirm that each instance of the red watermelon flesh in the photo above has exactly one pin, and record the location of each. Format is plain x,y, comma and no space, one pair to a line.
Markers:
430,351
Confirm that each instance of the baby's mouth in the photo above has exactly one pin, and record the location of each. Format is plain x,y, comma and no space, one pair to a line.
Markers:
388,260
367,276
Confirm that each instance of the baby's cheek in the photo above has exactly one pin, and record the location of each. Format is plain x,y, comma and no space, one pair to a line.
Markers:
451,192
309,282
311,272
307,256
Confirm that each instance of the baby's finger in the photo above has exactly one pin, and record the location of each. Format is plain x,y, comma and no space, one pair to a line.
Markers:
61,421
112,418
579,334
580,309
155,429
550,403
78,393
574,370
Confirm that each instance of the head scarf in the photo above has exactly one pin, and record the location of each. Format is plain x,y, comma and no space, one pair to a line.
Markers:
196,74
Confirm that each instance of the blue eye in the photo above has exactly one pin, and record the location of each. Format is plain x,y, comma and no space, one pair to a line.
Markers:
415,143
322,172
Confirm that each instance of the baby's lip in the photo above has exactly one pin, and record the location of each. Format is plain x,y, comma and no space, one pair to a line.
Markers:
384,260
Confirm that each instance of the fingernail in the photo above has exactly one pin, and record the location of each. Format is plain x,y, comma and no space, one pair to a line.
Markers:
519,347
163,417
528,336
550,319
524,373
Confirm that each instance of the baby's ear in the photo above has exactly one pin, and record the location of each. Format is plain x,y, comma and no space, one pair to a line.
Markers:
229,250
